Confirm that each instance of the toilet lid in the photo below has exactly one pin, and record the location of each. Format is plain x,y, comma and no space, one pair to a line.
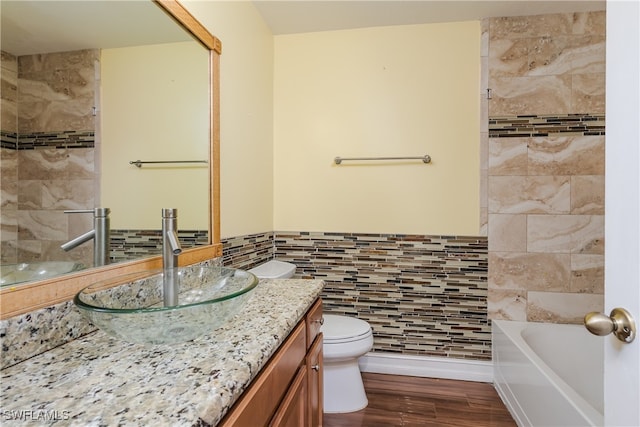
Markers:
343,327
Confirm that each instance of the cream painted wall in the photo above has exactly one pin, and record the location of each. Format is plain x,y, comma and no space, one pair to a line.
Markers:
154,106
385,91
246,80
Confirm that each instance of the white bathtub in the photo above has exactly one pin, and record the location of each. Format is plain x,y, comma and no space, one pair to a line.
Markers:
548,374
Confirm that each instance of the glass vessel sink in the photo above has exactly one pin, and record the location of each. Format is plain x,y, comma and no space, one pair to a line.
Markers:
131,307
11,274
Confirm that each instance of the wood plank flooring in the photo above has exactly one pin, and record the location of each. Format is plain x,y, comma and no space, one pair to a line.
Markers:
425,402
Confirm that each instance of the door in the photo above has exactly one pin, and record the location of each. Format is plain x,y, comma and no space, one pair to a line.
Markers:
622,208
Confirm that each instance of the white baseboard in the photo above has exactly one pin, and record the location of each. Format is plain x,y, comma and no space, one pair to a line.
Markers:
423,366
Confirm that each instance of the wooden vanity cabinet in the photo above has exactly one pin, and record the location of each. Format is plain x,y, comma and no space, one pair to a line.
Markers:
288,390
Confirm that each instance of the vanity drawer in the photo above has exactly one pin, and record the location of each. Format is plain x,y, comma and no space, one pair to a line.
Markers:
314,322
259,402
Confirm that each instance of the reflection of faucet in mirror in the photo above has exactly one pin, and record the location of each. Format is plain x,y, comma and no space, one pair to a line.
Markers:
170,250
99,234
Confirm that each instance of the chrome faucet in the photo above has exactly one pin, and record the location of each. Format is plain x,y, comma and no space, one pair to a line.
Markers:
99,234
170,250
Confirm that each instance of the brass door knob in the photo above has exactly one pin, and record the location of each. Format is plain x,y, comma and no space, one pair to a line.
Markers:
620,322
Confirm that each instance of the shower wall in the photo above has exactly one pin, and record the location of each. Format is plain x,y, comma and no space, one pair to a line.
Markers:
545,166
50,154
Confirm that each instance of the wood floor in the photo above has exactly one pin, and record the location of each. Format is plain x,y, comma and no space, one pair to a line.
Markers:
425,402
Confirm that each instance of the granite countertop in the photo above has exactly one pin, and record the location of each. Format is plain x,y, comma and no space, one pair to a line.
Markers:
99,380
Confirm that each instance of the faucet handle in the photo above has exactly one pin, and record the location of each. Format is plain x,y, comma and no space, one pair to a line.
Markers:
97,212
78,211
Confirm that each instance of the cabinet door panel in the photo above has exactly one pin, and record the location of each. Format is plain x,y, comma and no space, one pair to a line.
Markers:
314,373
259,402
293,410
314,322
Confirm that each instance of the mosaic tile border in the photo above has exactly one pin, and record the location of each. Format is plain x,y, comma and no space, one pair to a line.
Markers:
544,125
62,139
9,140
422,295
248,251
133,244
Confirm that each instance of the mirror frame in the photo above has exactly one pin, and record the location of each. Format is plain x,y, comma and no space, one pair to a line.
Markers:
23,298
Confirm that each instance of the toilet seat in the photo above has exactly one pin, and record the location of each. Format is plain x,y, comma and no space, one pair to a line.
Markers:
342,329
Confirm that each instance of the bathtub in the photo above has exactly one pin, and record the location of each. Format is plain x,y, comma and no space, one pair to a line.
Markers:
549,374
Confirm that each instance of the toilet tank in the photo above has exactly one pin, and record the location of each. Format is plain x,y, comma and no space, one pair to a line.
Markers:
274,269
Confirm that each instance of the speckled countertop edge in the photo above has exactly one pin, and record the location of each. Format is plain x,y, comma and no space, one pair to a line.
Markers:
99,380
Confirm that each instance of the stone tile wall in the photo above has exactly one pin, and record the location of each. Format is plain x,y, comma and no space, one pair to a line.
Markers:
545,166
55,159
8,157
422,295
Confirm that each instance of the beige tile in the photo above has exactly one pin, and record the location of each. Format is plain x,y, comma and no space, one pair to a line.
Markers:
529,194
588,54
590,23
577,155
8,252
508,156
42,164
566,54
588,93
530,95
29,250
42,225
587,195
9,62
553,307
530,271
63,194
508,58
588,237
80,163
530,26
550,233
29,194
9,114
8,225
571,234
507,233
507,304
587,274
549,56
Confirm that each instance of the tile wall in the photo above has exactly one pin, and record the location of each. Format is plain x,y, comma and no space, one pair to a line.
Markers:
544,168
51,165
422,295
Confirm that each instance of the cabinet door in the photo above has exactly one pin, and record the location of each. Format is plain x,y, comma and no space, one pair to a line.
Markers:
293,409
314,322
315,373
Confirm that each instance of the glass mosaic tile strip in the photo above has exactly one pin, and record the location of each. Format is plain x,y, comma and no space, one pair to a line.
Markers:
62,139
9,140
544,125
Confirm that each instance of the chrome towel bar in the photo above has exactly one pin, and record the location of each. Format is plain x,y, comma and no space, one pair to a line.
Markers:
425,159
139,163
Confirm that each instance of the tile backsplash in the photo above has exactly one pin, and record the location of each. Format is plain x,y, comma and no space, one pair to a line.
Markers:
422,295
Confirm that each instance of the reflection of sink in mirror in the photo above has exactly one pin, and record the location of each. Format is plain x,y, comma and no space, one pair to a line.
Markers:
11,274
131,307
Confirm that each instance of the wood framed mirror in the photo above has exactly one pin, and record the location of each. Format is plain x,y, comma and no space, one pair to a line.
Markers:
23,298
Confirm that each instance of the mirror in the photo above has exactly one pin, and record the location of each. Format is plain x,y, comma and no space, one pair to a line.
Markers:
26,297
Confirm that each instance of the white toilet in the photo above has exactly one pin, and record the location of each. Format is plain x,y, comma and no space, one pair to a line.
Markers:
274,269
345,340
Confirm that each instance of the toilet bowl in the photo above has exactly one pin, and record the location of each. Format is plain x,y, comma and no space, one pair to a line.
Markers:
274,269
345,340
